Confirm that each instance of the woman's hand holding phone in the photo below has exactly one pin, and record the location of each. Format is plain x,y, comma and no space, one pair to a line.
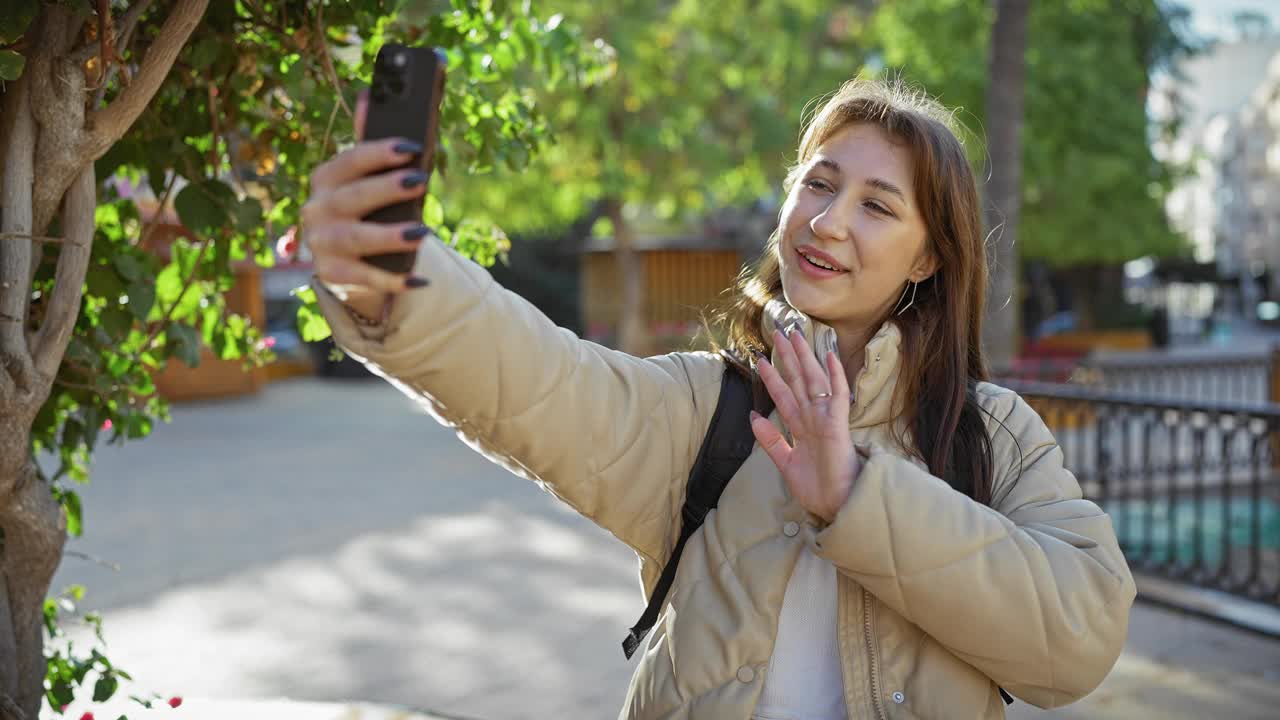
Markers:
364,220
344,190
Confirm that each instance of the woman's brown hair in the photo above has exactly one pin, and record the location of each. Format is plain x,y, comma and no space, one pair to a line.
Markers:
935,393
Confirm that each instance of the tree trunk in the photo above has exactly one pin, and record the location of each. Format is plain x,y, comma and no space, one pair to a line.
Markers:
1004,186
632,335
51,138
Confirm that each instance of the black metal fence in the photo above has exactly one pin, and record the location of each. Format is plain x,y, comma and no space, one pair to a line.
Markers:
1193,488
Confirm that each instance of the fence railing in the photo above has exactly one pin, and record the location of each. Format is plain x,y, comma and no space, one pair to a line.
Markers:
1193,488
1246,377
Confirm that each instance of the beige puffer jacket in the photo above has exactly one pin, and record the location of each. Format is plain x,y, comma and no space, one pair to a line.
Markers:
941,600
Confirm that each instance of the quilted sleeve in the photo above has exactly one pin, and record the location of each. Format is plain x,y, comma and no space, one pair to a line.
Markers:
612,435
1034,592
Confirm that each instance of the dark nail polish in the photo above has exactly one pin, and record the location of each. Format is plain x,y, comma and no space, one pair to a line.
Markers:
414,281
407,147
415,234
413,179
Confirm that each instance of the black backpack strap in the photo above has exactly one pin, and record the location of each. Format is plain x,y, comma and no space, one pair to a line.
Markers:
728,442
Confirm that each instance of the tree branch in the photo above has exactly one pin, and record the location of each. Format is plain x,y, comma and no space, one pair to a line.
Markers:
130,20
102,128
36,238
327,58
152,222
58,104
68,284
127,23
107,125
15,217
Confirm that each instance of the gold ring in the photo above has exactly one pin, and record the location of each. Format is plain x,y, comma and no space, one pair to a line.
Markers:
822,395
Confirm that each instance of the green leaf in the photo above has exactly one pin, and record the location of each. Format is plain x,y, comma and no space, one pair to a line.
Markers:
11,64
183,342
129,267
141,298
61,693
70,500
169,284
432,212
116,320
248,216
104,282
137,426
105,687
311,324
205,207
15,18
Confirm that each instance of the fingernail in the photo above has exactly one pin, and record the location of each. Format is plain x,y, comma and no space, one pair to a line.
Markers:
413,179
415,234
755,415
415,281
407,147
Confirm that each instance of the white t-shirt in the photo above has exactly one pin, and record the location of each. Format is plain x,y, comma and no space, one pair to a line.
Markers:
803,681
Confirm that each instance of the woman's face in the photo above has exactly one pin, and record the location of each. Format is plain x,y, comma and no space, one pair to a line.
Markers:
853,209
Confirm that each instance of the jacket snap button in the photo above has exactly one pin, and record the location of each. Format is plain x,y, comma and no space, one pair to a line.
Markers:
899,698
746,674
791,529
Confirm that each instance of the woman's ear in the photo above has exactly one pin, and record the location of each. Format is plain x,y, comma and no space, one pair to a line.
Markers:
925,267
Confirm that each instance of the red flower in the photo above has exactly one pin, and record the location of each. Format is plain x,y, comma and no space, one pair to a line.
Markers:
175,702
87,716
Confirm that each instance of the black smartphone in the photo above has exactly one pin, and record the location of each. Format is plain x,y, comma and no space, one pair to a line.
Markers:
404,102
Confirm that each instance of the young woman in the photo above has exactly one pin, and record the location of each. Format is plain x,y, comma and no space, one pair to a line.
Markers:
903,542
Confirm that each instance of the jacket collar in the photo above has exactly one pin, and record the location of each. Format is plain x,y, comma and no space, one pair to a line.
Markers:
872,401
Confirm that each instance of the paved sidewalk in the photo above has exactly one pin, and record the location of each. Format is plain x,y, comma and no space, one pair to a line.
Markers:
329,542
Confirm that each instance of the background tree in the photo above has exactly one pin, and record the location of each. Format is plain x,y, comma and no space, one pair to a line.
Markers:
701,111
220,110
1003,196
1092,195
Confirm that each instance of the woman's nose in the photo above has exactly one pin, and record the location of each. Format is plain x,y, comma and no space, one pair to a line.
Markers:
830,224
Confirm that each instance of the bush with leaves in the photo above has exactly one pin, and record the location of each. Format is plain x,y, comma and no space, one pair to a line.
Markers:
219,110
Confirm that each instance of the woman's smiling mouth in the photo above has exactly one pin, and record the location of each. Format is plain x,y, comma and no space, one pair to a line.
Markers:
817,264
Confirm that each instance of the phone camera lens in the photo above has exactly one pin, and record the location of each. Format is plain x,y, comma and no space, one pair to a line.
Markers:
400,60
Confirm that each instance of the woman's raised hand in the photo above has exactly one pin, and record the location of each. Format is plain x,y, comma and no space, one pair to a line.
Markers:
822,464
343,190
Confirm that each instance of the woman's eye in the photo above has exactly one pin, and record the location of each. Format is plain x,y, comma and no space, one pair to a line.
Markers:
817,185
878,208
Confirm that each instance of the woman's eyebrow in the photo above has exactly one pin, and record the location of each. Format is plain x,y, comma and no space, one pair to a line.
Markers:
885,185
831,165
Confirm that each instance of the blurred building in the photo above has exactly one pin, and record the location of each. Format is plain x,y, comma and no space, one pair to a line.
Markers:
1247,227
1227,98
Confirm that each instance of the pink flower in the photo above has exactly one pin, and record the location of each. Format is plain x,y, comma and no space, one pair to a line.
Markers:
287,244
269,341
106,424
87,716
175,702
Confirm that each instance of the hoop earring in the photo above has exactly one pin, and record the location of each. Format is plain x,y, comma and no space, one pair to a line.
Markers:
914,285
